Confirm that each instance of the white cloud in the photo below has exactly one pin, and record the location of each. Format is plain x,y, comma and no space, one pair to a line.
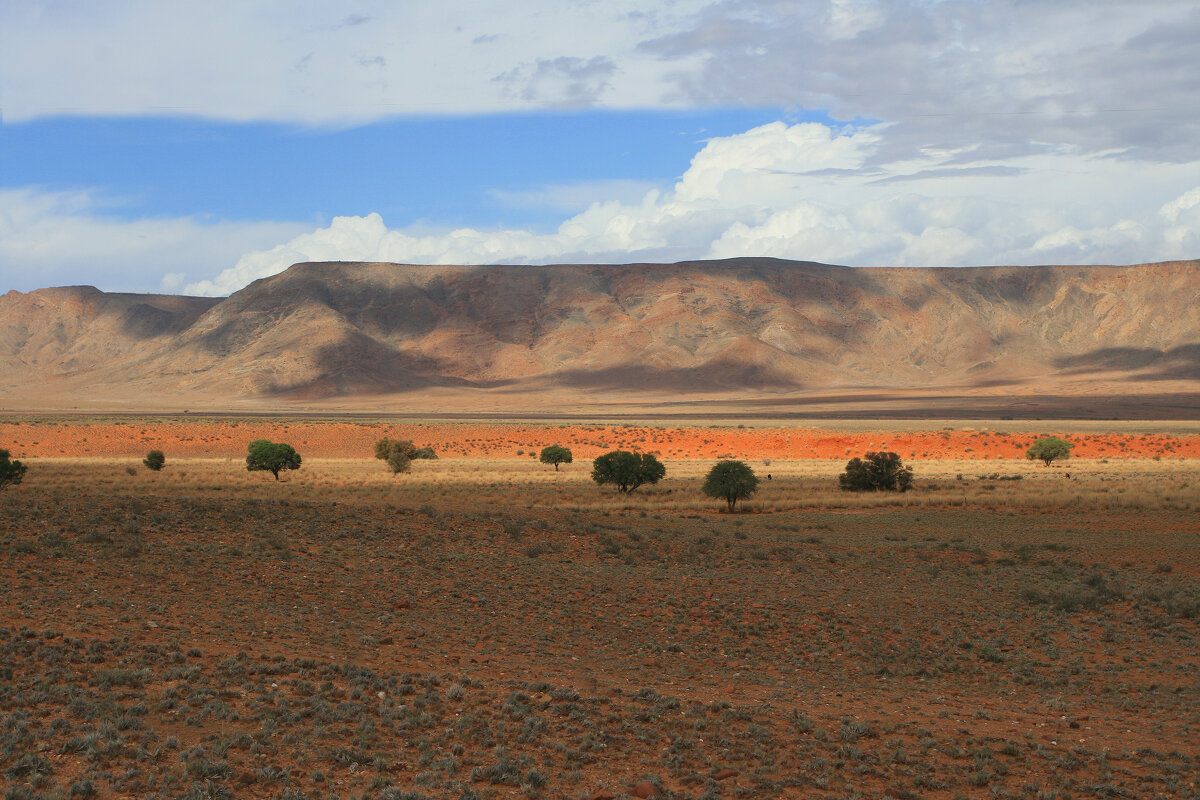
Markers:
1009,131
770,158
310,62
811,192
1180,207
999,77
50,238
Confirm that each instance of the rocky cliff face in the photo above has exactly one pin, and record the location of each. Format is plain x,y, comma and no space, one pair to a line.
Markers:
743,325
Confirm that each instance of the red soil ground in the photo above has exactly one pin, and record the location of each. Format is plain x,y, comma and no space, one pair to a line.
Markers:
204,438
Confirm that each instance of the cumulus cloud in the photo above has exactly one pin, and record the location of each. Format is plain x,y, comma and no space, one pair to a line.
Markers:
48,238
815,192
997,132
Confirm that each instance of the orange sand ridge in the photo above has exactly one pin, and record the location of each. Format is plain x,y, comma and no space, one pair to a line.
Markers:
204,438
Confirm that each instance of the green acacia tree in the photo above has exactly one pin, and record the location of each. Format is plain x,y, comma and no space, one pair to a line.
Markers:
272,457
730,481
1048,449
399,454
627,471
12,471
154,460
555,454
875,472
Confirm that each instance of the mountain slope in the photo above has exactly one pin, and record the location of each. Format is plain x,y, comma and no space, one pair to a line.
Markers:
736,327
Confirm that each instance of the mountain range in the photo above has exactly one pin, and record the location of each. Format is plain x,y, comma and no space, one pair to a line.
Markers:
751,333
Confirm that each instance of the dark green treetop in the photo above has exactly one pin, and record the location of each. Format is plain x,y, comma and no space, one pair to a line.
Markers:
730,481
262,454
1049,448
12,471
554,454
627,471
876,472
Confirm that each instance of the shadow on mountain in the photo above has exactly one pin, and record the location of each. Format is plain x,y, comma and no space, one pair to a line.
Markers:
1178,363
693,379
361,365
887,406
149,321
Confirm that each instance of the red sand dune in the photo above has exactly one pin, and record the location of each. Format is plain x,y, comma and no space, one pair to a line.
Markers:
507,440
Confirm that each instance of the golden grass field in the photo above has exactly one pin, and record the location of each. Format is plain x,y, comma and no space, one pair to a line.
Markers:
1099,484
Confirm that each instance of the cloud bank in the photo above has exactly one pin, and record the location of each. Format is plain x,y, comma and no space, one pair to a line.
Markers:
1003,76
49,238
813,192
963,132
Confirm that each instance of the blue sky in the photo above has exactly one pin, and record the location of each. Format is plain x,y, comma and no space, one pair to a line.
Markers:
462,170
196,146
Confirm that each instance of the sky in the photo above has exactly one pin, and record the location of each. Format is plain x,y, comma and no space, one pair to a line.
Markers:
193,147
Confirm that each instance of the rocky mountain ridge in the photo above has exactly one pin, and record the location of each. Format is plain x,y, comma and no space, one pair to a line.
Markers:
740,327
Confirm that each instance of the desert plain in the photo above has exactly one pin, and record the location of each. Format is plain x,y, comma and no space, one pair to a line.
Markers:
486,626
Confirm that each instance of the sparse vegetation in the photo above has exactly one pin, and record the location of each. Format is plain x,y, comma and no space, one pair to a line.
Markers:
555,454
399,461
273,457
313,680
154,460
12,471
841,645
730,481
874,472
1048,449
399,454
627,471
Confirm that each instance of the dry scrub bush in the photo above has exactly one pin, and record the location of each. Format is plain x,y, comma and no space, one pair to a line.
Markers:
511,482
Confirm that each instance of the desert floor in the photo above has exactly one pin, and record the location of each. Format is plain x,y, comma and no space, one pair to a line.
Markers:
485,626
131,436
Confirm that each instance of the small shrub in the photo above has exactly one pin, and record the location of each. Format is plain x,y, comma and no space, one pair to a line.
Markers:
154,460
398,453
12,472
873,472
398,461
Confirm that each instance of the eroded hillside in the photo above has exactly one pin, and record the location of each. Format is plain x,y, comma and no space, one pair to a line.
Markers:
750,327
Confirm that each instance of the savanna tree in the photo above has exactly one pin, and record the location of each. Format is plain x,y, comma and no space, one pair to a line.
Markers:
1048,449
627,471
272,457
554,454
876,472
730,481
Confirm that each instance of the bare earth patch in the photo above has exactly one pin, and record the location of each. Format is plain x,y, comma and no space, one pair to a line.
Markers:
487,627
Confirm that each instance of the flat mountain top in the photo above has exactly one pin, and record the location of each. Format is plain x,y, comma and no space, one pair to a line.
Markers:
735,333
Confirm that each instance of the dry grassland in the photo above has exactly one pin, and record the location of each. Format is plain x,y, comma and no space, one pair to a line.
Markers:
1080,484
489,628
